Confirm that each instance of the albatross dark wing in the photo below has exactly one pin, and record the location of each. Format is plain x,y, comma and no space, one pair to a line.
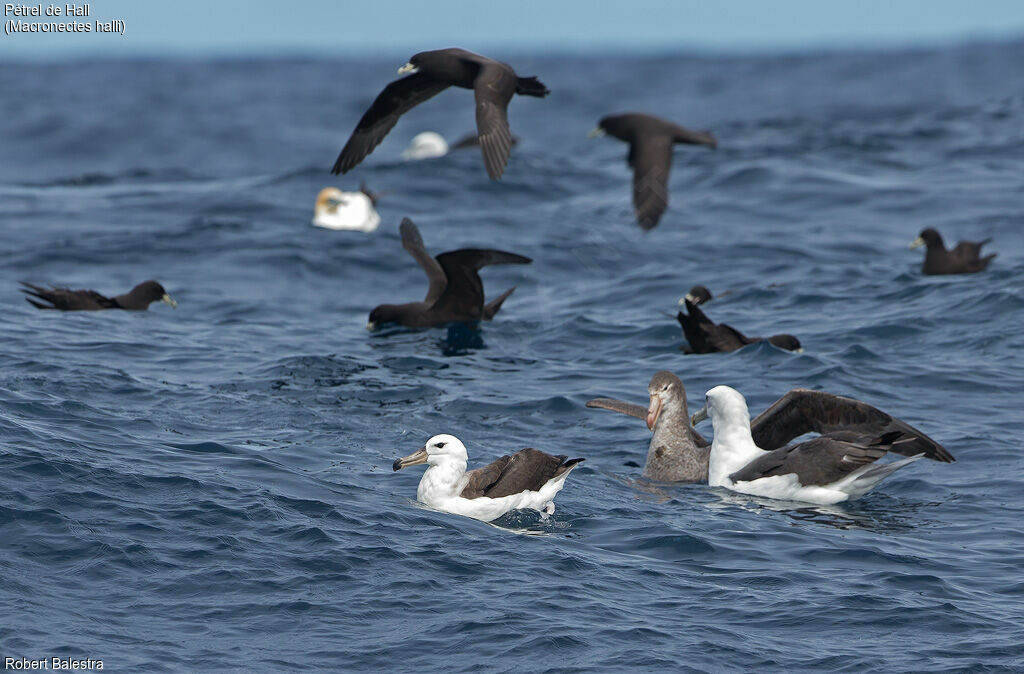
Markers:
819,461
464,294
493,88
805,411
413,243
526,470
651,159
397,98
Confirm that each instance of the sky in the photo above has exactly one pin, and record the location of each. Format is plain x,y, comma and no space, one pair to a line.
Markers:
230,28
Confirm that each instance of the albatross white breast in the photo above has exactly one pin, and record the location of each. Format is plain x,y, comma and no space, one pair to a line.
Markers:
828,469
528,479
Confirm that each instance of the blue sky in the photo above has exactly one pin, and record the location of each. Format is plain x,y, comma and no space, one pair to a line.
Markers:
327,27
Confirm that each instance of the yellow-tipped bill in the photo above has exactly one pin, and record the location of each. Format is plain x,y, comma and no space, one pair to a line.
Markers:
407,68
700,416
596,132
916,242
167,300
414,459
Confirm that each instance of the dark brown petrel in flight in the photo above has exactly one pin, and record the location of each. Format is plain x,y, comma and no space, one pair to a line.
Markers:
706,336
493,84
455,294
650,156
65,299
965,258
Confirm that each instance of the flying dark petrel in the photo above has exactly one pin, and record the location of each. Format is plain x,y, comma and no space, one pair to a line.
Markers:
965,258
65,299
528,479
829,469
493,84
455,293
650,156
678,453
706,336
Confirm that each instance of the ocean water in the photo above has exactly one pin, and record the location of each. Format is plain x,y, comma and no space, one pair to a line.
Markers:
210,488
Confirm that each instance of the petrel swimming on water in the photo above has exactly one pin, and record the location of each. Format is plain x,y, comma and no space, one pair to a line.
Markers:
65,299
455,294
493,84
964,258
650,141
706,336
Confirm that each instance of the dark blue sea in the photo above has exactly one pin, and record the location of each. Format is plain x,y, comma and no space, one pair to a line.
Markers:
210,488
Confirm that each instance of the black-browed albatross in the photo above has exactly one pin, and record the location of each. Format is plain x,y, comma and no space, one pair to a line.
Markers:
829,469
528,479
678,453
455,293
493,84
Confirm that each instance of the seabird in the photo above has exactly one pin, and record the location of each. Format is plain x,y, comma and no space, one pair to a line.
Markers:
650,156
965,258
678,453
455,293
528,479
335,209
65,299
473,140
705,336
697,295
828,469
426,145
493,84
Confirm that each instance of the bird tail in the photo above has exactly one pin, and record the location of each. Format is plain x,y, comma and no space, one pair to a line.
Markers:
37,292
492,307
531,86
988,258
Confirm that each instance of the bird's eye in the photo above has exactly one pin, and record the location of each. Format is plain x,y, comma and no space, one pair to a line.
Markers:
440,445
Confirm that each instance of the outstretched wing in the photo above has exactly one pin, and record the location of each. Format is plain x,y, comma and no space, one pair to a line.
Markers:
397,98
493,88
805,411
464,293
413,243
705,336
638,411
651,159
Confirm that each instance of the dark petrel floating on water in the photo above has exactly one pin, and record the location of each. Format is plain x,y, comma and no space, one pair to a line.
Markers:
965,258
650,156
65,299
705,336
678,453
455,293
493,84
528,479
829,469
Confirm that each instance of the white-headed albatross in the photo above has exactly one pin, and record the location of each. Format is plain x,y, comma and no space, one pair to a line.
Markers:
528,479
829,469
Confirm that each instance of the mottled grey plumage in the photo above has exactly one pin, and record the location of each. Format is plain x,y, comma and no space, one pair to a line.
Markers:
527,470
677,452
